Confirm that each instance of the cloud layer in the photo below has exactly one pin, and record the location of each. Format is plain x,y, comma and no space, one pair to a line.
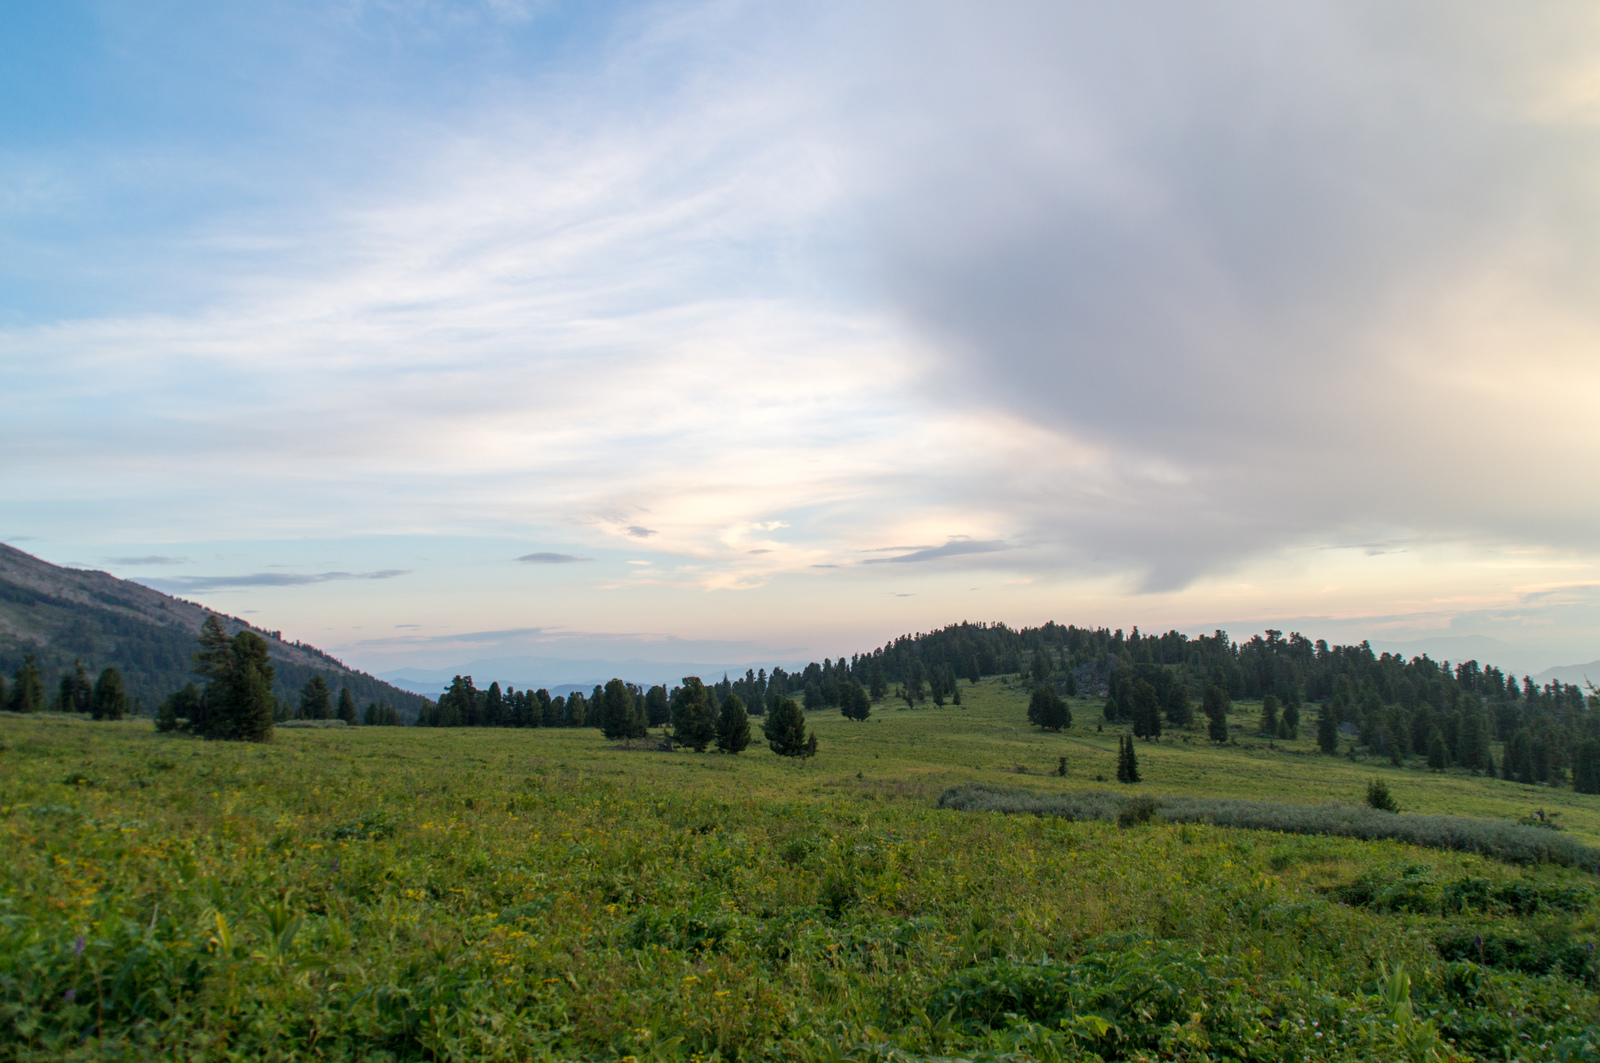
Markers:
1098,306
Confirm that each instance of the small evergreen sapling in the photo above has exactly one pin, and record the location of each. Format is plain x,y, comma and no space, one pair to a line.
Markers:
1216,709
1378,797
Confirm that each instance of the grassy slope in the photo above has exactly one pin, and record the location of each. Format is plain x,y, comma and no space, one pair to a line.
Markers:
747,905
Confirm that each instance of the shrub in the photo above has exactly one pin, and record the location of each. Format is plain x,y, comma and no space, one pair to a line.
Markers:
1378,797
1498,839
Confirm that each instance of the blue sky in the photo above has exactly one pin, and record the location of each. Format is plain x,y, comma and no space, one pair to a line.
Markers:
326,314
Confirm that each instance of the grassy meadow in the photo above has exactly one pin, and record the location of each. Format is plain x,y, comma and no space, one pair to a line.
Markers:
396,893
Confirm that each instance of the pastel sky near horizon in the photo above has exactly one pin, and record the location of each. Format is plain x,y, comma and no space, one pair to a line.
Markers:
415,328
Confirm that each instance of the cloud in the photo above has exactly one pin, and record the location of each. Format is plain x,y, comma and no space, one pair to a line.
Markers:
544,558
264,579
153,559
953,548
640,532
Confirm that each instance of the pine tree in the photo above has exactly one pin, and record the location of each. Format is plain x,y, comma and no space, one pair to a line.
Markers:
1179,711
347,706
694,721
1586,767
315,699
1127,761
1216,709
880,687
1269,714
733,724
1046,710
1291,719
1436,753
855,702
109,700
237,703
27,695
1145,708
955,694
1328,729
785,730
657,710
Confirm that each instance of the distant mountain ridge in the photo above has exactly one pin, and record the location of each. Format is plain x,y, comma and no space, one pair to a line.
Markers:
64,615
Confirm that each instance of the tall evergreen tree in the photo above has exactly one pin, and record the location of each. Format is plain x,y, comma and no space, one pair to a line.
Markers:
237,703
1179,711
75,692
1269,714
315,699
1216,707
109,700
1127,760
1586,767
785,730
1436,754
347,706
27,693
1046,710
694,721
1328,729
1145,708
657,710
733,724
1291,718
620,715
855,702
494,706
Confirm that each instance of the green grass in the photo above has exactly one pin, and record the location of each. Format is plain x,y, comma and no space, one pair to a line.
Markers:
424,894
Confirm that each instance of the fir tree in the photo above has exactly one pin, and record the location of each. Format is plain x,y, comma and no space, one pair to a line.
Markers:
237,703
1046,710
315,699
347,706
1145,709
855,702
1328,729
785,730
1586,767
1127,760
657,710
109,700
1269,714
1291,719
1216,709
1436,754
27,694
733,724
1179,711
621,717
694,721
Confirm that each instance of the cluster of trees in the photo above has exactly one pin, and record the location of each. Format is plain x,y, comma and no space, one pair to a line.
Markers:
699,716
1127,761
237,702
106,698
316,703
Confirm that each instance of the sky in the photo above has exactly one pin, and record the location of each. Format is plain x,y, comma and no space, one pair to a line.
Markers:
428,332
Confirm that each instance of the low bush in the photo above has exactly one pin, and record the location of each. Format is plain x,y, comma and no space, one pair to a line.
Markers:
1498,839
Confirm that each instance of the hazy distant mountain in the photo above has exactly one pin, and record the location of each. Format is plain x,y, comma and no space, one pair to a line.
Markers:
1577,674
63,615
527,672
1459,648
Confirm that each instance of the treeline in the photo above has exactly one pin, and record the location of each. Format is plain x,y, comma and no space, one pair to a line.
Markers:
1467,715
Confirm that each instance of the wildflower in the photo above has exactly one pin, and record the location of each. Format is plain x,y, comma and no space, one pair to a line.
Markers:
77,948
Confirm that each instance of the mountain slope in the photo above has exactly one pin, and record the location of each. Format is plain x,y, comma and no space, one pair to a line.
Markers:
64,615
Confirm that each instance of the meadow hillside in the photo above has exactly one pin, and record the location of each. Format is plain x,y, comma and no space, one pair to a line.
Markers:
490,893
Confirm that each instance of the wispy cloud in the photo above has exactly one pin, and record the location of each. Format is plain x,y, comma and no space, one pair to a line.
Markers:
953,548
152,559
544,558
264,579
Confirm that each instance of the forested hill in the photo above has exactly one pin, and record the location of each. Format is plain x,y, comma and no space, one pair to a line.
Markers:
66,615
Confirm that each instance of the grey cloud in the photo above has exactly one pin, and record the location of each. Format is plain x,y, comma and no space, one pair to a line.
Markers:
953,548
1218,244
264,579
153,559
638,531
545,558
